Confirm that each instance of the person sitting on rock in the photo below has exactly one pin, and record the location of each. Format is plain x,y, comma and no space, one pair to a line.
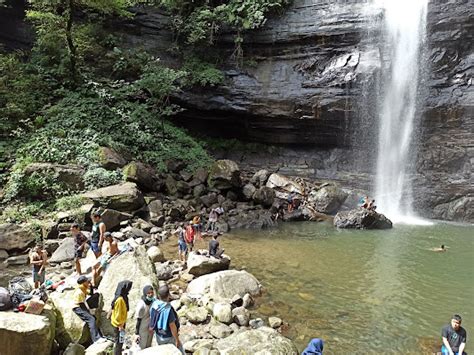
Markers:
371,206
80,307
315,347
98,232
214,247
143,336
364,201
119,313
80,241
164,320
38,259
454,337
104,260
189,236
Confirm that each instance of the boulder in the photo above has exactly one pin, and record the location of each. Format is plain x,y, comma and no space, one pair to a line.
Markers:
199,265
194,345
142,175
168,349
156,208
113,218
248,190
65,251
219,330
361,218
194,314
71,328
3,255
123,197
109,159
23,333
68,175
168,269
263,340
294,216
171,185
135,266
17,260
225,284
209,199
264,196
222,312
74,349
260,178
283,186
241,316
201,175
224,174
199,190
100,348
256,323
14,237
274,322
327,199
155,254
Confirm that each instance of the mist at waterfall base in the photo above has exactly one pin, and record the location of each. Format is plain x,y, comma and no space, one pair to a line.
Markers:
402,40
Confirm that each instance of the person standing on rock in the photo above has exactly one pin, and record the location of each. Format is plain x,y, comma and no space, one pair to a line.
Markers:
119,314
182,247
98,232
143,334
80,307
104,260
197,226
164,320
211,225
80,241
39,259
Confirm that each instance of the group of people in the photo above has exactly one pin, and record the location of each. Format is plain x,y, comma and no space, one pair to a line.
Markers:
367,203
153,316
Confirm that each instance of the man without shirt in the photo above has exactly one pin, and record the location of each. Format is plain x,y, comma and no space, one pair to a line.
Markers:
112,250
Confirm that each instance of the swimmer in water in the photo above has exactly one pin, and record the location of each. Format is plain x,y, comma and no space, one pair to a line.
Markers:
440,249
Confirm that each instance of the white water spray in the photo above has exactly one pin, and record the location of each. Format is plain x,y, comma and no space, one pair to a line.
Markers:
405,24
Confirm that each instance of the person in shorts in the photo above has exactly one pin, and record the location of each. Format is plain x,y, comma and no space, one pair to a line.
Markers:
104,259
182,247
38,260
98,231
80,241
189,236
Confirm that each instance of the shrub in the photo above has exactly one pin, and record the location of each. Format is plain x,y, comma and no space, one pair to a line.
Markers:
97,177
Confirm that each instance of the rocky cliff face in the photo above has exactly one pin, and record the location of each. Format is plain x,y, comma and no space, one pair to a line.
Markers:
313,80
310,80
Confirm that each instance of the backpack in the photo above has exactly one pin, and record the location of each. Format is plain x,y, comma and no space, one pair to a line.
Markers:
5,300
19,289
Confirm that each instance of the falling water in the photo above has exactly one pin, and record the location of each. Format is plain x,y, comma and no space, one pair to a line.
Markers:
405,22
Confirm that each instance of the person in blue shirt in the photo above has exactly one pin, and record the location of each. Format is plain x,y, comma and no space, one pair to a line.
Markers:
164,320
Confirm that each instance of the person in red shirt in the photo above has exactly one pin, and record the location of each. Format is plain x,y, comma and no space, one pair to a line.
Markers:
189,236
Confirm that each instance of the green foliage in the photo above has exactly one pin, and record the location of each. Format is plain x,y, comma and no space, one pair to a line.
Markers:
67,203
97,177
22,212
202,73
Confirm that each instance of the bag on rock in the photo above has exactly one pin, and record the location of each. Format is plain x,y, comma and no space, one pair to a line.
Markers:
5,300
19,289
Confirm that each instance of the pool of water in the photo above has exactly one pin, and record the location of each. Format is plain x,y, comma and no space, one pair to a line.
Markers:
362,291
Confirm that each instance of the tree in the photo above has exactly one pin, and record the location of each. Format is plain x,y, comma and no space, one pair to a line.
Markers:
58,17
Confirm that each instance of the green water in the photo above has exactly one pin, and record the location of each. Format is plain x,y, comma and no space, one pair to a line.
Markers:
362,291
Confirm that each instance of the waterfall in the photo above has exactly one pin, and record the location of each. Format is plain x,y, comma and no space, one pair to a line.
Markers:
404,31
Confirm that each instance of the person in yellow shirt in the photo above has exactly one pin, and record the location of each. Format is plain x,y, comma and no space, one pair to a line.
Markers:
119,315
80,307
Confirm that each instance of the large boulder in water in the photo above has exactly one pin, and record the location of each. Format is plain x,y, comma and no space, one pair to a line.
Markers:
225,284
15,237
122,197
135,266
361,218
264,196
71,327
224,174
199,264
143,175
328,199
65,251
23,333
263,340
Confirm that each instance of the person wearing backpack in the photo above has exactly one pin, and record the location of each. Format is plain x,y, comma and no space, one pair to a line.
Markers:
164,320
